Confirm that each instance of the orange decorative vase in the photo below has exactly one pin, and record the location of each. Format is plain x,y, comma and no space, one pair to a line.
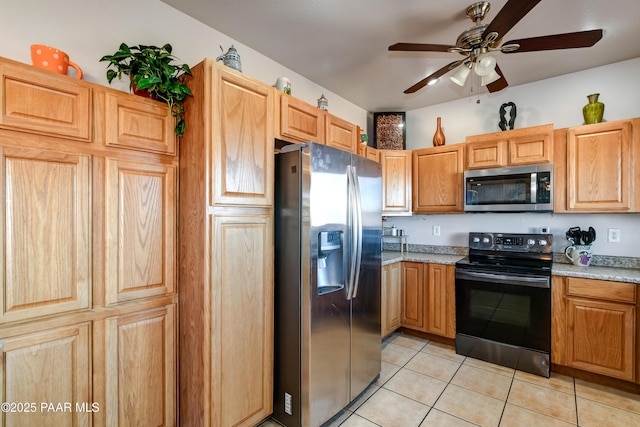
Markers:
438,137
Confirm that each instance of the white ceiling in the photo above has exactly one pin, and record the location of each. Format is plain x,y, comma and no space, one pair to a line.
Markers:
342,45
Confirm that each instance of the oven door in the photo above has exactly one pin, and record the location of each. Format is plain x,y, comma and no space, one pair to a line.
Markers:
504,315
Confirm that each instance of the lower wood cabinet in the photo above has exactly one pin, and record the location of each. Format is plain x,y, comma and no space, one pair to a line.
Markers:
594,326
428,298
391,298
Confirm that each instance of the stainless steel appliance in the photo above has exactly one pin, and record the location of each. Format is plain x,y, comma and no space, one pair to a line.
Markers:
503,300
515,189
328,229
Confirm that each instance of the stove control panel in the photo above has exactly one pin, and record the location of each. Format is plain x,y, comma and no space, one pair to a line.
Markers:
511,242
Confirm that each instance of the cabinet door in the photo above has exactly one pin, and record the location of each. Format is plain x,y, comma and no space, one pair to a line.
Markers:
487,154
372,153
242,318
137,368
412,295
46,247
437,179
340,133
391,298
140,230
40,101
300,121
601,337
243,144
137,123
440,300
532,148
396,181
600,168
50,368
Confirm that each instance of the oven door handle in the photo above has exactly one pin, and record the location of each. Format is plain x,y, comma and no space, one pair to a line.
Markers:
533,282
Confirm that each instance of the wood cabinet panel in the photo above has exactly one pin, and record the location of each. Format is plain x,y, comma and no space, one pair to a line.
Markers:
140,228
591,329
43,102
300,121
242,342
440,299
396,181
437,179
602,337
340,133
139,369
244,141
136,123
45,224
517,147
600,175
391,298
49,366
413,295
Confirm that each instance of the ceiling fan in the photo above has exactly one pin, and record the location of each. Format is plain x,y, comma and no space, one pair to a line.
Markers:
476,43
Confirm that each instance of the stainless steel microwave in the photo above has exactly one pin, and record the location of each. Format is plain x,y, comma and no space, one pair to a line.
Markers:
515,189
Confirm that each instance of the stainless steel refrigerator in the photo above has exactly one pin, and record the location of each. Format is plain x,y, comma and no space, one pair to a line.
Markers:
327,281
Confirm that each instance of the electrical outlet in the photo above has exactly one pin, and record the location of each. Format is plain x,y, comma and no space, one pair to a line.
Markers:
614,235
436,230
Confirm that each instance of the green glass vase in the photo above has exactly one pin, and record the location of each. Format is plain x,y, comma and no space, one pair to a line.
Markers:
594,110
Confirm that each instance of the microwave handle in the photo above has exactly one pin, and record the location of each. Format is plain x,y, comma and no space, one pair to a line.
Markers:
534,187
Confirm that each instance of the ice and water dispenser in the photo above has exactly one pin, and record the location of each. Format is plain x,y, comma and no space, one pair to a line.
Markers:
330,266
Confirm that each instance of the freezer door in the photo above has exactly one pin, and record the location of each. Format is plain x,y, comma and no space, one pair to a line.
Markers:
326,346
365,321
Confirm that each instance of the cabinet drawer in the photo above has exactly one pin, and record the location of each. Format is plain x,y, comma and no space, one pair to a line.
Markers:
601,289
43,102
137,123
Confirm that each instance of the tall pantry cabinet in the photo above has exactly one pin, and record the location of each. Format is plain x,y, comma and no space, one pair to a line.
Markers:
88,178
226,249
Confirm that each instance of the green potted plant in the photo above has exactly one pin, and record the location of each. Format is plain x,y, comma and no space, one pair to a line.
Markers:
150,69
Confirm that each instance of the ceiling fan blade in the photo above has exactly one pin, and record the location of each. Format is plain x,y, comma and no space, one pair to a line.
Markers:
510,15
422,83
558,41
499,84
419,47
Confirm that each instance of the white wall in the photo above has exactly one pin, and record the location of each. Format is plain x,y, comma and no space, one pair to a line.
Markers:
89,29
559,101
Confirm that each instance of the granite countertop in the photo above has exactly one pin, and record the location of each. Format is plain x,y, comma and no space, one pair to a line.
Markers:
615,274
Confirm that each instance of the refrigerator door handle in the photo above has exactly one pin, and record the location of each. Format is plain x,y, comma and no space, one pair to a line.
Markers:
354,230
358,226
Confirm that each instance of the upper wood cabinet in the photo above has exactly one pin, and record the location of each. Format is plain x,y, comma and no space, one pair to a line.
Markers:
133,122
594,326
299,121
43,102
242,138
396,181
596,165
371,153
437,179
46,221
517,147
340,133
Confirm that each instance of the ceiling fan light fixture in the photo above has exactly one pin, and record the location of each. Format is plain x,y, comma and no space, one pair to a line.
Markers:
485,64
460,75
489,78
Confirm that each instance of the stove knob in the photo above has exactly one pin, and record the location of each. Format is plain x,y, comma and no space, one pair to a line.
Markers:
476,240
542,242
531,242
486,240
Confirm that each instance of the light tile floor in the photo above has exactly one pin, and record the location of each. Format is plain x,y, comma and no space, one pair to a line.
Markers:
425,383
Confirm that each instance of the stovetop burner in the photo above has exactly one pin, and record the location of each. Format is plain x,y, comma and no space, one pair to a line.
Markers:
517,253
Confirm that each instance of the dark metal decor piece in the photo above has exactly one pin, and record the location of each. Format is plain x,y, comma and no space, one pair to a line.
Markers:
512,115
389,131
